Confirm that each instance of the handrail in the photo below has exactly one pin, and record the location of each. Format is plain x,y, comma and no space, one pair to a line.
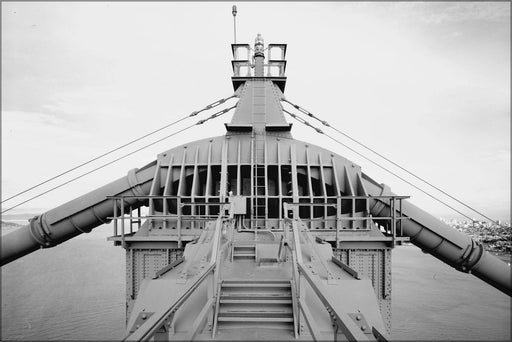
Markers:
150,327
147,330
219,203
351,331
179,217
217,281
295,285
343,321
311,243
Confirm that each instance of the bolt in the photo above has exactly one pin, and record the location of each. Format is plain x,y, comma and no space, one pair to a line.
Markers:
358,317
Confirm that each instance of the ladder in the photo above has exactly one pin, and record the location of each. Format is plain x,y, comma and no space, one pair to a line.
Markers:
259,211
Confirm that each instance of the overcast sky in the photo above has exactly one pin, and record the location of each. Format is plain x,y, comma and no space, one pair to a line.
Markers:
426,84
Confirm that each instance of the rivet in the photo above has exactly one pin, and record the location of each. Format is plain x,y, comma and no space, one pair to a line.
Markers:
137,326
358,317
144,316
363,327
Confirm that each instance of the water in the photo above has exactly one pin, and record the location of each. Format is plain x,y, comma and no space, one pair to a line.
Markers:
77,292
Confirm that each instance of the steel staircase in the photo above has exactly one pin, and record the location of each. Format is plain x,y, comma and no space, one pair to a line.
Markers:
255,303
243,251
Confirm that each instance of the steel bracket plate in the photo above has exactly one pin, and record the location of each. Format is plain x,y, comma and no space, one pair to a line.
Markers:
359,319
141,318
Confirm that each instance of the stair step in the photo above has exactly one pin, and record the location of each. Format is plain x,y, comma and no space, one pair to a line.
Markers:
256,295
241,312
259,281
244,255
244,250
256,285
254,301
254,319
262,303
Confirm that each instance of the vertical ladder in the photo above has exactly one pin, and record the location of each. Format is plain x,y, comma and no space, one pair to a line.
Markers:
259,183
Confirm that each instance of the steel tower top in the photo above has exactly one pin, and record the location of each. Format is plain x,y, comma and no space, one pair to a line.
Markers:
260,84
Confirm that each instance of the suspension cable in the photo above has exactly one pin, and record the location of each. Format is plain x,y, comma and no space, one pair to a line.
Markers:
371,161
210,106
325,123
200,122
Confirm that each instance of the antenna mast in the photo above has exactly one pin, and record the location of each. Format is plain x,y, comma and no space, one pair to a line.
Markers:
234,21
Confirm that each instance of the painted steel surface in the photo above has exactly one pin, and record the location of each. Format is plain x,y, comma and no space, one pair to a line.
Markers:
263,232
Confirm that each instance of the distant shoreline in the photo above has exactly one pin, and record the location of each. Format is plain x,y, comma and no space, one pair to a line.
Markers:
503,254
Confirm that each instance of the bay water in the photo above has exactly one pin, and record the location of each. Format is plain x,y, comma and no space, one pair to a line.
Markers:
76,291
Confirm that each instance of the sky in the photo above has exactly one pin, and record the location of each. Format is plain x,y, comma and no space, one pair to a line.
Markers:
425,84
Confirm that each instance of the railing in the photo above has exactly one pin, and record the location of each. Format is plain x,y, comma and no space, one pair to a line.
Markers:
149,328
179,219
391,225
344,217
301,275
243,68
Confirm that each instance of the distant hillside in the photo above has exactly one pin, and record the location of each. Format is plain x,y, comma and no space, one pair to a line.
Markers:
10,224
19,216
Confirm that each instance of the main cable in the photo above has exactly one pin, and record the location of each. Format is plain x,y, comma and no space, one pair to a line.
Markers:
210,106
213,116
325,123
304,122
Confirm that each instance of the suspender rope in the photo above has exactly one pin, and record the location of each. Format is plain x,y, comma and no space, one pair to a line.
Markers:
371,161
325,123
213,116
210,106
